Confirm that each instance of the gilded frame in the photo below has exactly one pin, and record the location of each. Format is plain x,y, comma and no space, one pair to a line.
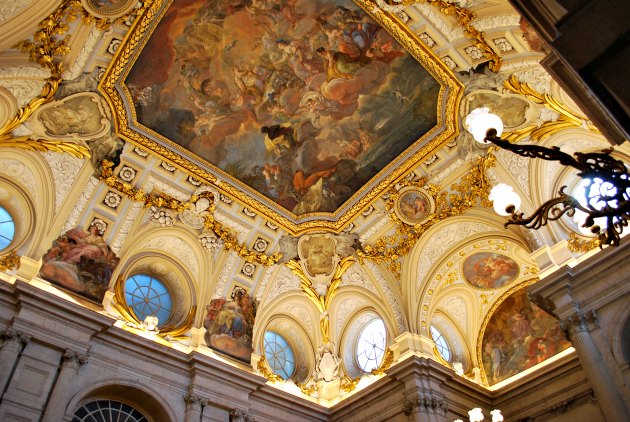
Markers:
450,94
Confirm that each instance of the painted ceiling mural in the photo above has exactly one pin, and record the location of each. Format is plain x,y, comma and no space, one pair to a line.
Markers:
304,102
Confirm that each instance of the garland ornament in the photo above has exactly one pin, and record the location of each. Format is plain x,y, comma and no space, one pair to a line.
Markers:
165,201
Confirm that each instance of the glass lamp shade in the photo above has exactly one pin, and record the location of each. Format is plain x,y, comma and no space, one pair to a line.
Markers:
475,415
503,196
480,120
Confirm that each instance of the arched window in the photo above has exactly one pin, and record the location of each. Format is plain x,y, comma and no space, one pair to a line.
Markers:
7,228
107,411
371,345
441,344
279,354
147,295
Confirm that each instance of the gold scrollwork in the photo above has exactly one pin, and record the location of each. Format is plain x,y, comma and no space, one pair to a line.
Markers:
578,244
263,369
386,363
322,302
164,201
348,384
472,191
10,261
125,311
464,18
566,120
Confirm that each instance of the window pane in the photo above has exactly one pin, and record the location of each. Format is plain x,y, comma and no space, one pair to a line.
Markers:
441,344
279,355
147,295
7,228
371,345
107,411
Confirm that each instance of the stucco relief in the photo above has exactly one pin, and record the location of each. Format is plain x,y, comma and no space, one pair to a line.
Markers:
86,50
284,281
219,289
444,239
536,77
123,231
10,8
65,169
455,307
80,205
518,167
8,105
177,247
17,171
394,306
344,311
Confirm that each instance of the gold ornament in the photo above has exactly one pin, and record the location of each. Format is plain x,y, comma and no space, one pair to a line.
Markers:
10,261
470,192
386,363
578,244
164,201
264,370
566,120
348,384
125,311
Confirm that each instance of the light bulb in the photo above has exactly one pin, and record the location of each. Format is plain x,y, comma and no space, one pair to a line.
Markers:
480,120
502,196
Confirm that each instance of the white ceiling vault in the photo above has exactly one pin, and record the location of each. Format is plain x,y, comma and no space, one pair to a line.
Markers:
205,241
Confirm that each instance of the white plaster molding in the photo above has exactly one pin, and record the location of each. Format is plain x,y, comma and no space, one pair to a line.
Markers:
447,27
441,241
10,8
536,77
23,90
240,231
155,183
497,22
17,171
389,296
517,166
266,277
80,205
89,44
124,228
65,168
455,307
177,247
219,289
284,281
374,227
8,105
443,174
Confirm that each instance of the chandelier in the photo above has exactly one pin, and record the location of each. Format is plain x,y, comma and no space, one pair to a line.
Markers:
605,208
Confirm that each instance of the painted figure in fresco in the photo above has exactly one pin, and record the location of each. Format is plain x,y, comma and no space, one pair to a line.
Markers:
518,336
80,262
293,85
489,270
230,324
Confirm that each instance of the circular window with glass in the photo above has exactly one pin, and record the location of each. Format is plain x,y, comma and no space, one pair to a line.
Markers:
441,344
107,411
371,345
7,229
591,193
148,296
279,355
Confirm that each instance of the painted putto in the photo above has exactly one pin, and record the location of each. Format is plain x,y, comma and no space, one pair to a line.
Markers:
518,336
303,101
230,325
489,270
80,262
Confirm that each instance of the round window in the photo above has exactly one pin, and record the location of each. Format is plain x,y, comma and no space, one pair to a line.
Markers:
147,296
371,345
7,228
279,355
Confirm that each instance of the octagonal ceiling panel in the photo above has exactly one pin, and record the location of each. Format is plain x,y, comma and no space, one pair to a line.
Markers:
303,110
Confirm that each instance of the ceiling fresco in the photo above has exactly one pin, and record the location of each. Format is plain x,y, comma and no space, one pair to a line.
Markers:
306,108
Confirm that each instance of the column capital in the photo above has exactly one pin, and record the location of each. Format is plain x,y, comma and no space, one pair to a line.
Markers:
425,403
578,322
238,415
11,335
71,357
191,399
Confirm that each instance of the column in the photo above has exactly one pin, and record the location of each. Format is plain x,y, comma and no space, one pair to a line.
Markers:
14,341
56,406
193,407
426,407
610,401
